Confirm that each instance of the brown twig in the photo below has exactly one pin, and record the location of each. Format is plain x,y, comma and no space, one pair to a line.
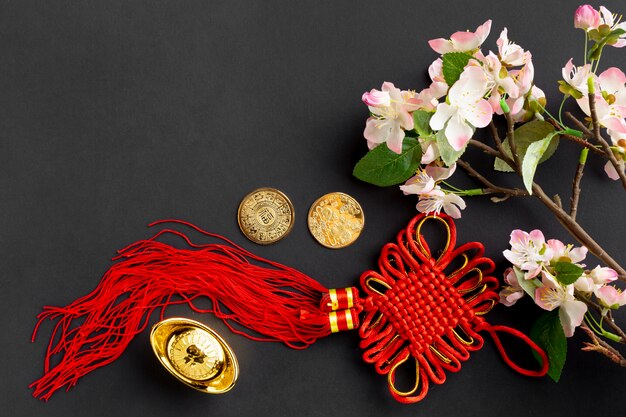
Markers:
578,140
576,190
496,138
603,348
491,188
510,134
603,143
579,124
485,148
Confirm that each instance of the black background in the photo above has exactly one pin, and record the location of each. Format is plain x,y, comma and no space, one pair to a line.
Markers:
117,113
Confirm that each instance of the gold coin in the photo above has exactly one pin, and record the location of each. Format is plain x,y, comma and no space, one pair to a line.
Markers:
336,220
265,216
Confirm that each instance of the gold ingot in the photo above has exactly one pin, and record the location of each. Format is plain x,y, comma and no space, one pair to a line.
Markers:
265,216
195,355
336,220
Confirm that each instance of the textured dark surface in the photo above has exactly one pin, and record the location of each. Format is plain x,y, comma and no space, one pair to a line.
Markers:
117,113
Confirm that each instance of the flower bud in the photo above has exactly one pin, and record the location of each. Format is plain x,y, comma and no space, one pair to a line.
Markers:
586,17
376,98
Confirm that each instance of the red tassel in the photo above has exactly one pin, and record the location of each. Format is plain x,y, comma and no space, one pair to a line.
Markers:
275,302
415,307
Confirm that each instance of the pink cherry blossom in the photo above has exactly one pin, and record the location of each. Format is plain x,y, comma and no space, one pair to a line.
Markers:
528,252
611,116
577,76
609,19
499,80
611,297
510,53
602,275
611,82
585,284
566,253
440,173
429,97
536,100
552,295
610,170
376,98
592,280
526,90
425,180
467,109
388,122
586,18
511,292
462,41
436,200
430,150
419,184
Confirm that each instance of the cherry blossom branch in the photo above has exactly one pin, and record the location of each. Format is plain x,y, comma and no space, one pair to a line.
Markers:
576,190
579,124
564,218
496,137
485,148
490,187
600,346
510,134
578,140
568,222
603,143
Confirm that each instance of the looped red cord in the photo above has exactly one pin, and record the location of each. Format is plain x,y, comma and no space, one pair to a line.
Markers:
513,332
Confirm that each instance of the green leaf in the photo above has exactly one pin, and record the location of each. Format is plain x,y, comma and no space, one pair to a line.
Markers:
547,332
383,167
447,152
528,285
567,273
421,120
499,164
531,160
453,65
534,153
525,135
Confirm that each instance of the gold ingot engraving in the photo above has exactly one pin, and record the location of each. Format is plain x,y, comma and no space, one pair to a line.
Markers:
195,354
265,216
336,220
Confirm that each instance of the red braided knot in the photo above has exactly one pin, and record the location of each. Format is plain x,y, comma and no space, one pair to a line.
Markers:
429,309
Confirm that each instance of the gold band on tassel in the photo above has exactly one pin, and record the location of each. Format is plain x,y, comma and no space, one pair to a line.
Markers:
334,302
332,317
340,320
